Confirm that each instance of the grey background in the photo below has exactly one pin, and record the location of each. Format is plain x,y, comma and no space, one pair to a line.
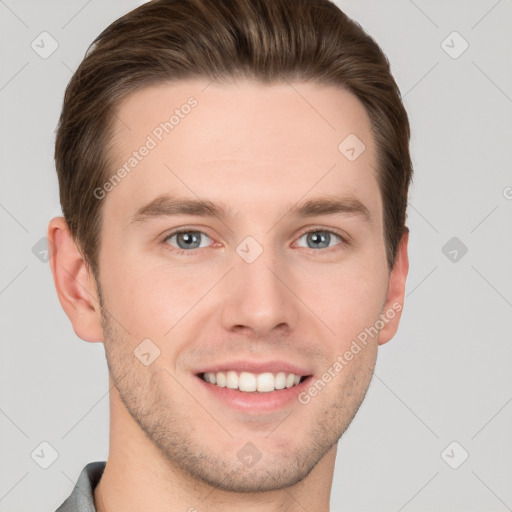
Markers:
446,375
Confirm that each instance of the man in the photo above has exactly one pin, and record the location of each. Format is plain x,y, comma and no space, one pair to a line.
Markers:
233,177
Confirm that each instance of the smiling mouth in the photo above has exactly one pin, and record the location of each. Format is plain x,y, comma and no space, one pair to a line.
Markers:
248,382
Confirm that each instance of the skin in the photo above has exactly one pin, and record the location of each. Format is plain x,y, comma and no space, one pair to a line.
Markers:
258,149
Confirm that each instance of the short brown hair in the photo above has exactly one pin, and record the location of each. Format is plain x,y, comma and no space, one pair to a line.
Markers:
264,40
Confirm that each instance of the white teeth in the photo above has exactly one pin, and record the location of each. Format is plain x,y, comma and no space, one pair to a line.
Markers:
250,382
232,380
266,382
247,382
211,377
221,379
280,380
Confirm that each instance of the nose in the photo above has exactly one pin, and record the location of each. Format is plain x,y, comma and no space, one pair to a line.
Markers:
259,296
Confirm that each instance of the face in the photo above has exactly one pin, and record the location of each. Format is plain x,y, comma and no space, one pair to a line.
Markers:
276,272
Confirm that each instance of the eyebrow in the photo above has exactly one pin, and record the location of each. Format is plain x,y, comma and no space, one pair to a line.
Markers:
165,205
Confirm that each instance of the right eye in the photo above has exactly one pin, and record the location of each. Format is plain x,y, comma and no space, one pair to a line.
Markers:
186,241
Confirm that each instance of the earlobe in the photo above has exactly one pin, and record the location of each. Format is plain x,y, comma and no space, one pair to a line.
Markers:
392,310
74,282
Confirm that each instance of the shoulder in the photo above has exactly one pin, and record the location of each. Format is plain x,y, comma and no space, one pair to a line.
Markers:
82,497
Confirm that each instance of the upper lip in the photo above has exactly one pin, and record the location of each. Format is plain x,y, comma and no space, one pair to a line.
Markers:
256,367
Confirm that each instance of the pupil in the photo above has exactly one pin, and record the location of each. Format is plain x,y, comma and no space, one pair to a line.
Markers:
320,237
188,239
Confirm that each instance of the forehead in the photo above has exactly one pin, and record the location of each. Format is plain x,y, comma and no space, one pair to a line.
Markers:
242,143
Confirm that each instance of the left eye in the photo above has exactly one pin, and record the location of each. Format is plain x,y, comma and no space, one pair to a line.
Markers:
188,239
320,239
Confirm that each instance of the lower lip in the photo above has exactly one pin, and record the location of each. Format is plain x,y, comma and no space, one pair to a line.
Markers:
256,401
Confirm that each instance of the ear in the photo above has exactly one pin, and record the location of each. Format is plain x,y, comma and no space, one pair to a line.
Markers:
392,310
75,283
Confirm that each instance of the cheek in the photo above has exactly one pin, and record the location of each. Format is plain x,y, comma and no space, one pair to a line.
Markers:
150,299
347,300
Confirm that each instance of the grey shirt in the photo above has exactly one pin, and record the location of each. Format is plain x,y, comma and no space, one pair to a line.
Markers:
82,497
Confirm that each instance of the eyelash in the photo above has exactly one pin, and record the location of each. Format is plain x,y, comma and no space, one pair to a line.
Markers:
183,252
